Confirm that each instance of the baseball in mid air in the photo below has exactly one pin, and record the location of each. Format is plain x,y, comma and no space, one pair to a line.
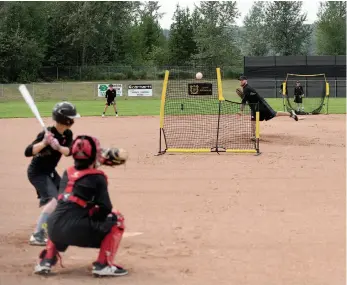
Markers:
198,75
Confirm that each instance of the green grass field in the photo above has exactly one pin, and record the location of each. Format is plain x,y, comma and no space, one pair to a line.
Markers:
84,95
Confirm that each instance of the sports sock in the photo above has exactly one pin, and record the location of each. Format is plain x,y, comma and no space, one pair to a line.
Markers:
42,220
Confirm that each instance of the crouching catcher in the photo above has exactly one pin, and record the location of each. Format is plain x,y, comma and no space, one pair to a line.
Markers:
84,216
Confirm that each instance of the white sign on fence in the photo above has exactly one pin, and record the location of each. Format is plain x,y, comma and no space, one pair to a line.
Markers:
102,88
140,90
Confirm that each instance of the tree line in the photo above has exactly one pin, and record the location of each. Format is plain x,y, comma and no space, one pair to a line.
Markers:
65,33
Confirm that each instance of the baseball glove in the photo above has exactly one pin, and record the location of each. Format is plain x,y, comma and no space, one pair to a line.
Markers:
113,156
239,92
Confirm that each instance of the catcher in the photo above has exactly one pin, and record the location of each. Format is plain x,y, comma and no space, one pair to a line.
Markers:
257,103
84,216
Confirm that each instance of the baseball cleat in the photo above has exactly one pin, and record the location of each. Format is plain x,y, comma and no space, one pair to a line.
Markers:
293,115
43,268
38,238
103,270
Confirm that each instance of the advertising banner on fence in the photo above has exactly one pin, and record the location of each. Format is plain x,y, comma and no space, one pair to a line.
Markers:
140,90
102,88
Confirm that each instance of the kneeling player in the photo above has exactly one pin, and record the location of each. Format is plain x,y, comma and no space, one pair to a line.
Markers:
84,216
257,103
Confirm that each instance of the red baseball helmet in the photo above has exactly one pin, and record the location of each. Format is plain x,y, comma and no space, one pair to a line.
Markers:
86,148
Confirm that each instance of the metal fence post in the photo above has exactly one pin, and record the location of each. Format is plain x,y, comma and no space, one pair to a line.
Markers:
335,88
57,73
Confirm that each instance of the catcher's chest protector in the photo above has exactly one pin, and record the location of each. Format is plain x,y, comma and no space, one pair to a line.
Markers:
73,176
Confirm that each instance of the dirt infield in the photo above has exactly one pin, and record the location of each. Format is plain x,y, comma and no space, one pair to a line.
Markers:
273,219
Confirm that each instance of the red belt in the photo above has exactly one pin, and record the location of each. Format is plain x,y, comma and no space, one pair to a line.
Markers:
74,199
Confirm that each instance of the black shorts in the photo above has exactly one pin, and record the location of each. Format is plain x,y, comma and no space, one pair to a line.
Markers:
111,102
266,113
65,230
298,99
46,186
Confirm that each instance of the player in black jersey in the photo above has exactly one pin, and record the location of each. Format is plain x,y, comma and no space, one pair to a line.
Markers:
110,96
298,95
46,150
84,216
258,103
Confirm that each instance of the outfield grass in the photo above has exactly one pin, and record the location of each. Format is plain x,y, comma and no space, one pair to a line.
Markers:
133,107
84,96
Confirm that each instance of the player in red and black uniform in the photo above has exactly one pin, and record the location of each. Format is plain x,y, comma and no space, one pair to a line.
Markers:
46,151
110,99
84,216
257,103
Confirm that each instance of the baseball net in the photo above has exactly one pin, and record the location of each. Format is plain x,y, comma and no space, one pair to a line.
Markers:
316,94
195,117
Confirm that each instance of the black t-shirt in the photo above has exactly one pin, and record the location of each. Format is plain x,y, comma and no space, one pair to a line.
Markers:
252,97
91,188
298,91
47,159
110,95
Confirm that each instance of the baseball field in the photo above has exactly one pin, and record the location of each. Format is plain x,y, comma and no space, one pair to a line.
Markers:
276,218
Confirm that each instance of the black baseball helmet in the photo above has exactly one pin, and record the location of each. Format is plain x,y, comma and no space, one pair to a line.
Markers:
64,113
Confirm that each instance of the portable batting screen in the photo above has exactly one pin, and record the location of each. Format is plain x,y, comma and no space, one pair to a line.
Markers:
195,117
315,98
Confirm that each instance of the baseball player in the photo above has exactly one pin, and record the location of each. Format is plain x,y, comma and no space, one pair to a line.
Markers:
110,99
298,94
84,216
257,103
46,151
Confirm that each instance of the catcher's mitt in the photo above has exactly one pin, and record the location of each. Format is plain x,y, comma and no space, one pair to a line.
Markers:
239,92
113,156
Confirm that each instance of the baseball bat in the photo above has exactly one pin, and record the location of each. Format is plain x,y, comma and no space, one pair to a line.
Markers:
29,100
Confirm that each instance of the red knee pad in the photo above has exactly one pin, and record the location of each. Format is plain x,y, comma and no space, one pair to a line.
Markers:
109,245
120,220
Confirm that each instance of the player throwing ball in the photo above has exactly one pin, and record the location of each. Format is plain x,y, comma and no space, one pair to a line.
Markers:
110,99
46,151
257,103
84,216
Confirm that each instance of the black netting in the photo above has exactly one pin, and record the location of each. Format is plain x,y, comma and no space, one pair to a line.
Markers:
313,99
277,67
260,61
235,131
194,118
321,60
290,60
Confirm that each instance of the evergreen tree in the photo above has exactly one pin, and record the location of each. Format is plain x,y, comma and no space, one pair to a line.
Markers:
254,37
285,29
331,28
181,42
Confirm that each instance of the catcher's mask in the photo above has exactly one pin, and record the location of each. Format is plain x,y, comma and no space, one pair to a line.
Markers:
86,150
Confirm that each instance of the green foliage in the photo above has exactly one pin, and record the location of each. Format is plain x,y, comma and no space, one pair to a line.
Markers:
285,29
213,24
331,28
80,39
182,45
254,38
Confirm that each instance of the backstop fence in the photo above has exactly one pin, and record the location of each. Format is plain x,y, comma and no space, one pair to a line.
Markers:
266,74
